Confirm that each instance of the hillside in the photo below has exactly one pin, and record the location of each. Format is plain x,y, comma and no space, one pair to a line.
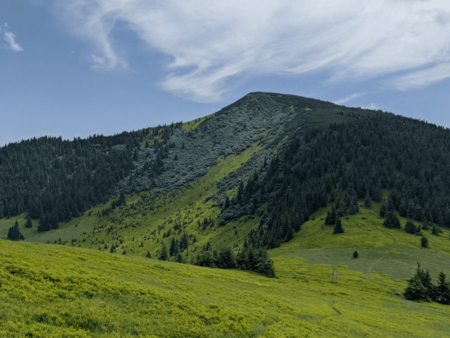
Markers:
268,172
67,292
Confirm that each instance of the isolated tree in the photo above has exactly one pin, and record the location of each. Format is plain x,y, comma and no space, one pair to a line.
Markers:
14,233
148,255
424,242
338,228
410,227
355,254
28,224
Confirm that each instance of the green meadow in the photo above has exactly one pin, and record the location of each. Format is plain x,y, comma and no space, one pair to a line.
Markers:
63,291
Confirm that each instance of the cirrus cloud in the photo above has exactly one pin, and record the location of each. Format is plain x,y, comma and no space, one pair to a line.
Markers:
9,38
214,44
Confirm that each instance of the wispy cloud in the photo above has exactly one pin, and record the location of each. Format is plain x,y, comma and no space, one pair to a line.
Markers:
215,43
349,98
9,38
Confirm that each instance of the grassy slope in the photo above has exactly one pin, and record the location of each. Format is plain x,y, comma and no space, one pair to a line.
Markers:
61,291
381,250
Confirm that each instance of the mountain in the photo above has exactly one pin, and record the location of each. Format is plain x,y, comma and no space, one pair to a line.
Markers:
280,185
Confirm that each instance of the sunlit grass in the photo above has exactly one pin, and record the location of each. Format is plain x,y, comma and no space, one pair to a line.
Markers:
68,292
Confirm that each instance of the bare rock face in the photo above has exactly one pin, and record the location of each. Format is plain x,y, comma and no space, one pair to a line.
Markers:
184,156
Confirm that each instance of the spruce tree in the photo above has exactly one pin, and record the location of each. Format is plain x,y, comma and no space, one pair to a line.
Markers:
410,227
164,255
14,233
338,228
442,294
28,224
424,242
226,258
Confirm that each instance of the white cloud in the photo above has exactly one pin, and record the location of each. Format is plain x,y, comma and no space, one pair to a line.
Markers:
215,43
372,106
348,98
9,38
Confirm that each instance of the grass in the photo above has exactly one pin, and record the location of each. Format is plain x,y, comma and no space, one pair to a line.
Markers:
57,291
191,125
54,291
381,250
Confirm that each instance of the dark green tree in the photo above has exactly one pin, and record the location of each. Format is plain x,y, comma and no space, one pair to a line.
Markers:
174,248
355,254
28,224
226,258
338,228
442,294
14,233
424,242
410,227
164,255
391,220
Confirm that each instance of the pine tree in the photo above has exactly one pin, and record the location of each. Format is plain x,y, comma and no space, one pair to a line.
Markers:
226,258
424,242
14,233
164,255
148,255
415,289
391,220
410,227
338,228
174,248
331,217
28,224
442,290
355,254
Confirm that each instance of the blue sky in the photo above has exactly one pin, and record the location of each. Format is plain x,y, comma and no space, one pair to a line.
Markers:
80,67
